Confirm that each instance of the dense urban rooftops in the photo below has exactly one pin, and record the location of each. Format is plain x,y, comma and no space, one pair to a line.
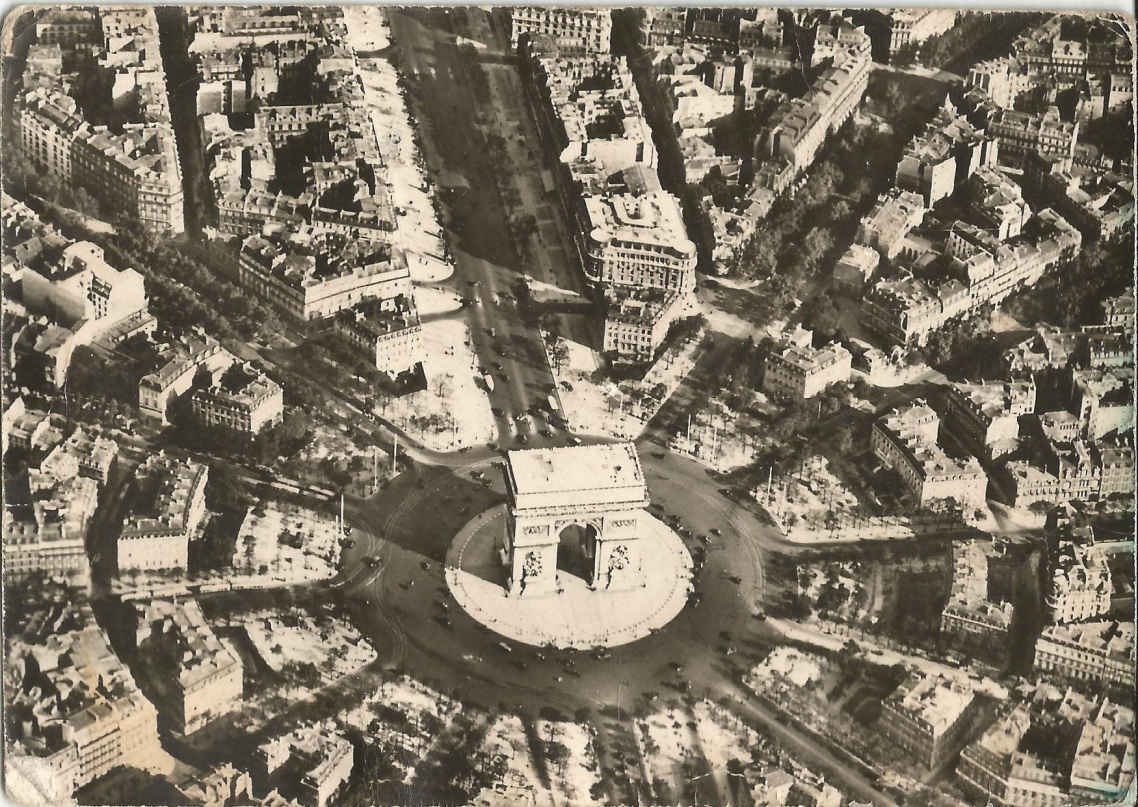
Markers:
933,700
165,490
379,317
200,653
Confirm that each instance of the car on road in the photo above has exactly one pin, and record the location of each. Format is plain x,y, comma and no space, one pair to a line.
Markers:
348,543
372,561
426,564
523,438
548,432
505,647
520,417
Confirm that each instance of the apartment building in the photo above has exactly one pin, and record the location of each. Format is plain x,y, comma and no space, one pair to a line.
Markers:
637,320
641,241
48,122
386,332
1100,652
983,270
321,756
1102,399
48,346
1023,133
1070,471
1116,464
192,353
241,400
946,152
911,26
95,455
166,508
1099,202
1108,347
986,415
221,785
997,203
575,30
1079,587
906,310
136,171
195,676
64,487
928,716
797,129
74,731
995,79
797,371
763,33
1118,312
905,439
978,616
312,275
590,114
47,545
1047,51
249,212
855,269
80,286
69,27
893,217
248,21
1009,767
664,26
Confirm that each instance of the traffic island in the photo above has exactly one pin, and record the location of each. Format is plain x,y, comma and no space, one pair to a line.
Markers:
573,615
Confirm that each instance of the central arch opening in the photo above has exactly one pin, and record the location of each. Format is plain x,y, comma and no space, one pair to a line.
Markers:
576,549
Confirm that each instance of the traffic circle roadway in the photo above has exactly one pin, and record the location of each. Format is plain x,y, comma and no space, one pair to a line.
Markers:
393,581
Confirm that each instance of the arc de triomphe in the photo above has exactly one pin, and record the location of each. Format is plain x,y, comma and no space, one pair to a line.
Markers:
599,488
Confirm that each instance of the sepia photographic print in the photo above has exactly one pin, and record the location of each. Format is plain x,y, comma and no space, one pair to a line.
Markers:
567,406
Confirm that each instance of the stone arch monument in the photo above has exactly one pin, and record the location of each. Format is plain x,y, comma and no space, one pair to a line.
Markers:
599,487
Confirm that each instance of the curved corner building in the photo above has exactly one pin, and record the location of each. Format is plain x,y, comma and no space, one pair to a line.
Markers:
640,241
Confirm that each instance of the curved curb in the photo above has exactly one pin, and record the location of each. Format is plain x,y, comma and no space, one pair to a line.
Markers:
521,620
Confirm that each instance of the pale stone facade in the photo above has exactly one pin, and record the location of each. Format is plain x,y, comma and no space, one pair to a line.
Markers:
600,488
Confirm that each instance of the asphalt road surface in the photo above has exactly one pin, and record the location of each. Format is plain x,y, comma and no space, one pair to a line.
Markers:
488,272
392,580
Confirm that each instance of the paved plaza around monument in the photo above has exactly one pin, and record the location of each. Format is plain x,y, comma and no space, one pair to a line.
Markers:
576,616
